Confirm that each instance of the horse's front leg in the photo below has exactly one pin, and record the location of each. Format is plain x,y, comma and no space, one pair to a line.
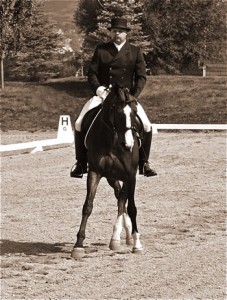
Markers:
132,212
92,184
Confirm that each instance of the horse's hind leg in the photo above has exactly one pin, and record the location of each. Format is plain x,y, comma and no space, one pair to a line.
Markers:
123,219
128,230
115,184
120,194
92,184
132,212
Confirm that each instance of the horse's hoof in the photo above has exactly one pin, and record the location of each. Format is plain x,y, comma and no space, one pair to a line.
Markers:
115,245
129,241
77,253
137,250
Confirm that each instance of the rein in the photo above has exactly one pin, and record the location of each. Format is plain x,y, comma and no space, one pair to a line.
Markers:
126,102
112,127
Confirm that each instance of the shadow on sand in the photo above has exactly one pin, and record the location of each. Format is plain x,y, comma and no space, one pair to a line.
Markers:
31,248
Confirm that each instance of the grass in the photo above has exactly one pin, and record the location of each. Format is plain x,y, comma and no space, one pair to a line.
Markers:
184,99
166,99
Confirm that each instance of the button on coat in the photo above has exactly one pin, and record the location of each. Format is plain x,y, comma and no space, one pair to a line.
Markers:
126,67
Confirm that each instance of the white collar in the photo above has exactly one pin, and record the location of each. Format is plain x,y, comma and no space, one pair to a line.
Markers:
119,46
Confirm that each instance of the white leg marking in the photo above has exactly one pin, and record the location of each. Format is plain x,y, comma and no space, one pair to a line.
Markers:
128,229
137,244
115,242
118,228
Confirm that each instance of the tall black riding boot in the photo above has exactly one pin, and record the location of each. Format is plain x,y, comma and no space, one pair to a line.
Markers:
80,167
144,167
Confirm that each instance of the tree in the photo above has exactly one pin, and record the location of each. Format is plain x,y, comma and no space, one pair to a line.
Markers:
28,39
14,16
180,31
38,56
94,21
172,33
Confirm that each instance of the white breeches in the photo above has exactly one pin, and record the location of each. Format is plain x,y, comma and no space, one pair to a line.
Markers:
95,101
143,117
92,103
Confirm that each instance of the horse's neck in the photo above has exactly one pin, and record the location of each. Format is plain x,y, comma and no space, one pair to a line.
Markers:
105,123
106,111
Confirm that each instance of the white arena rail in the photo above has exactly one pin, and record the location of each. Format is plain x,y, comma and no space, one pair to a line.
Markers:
65,134
189,127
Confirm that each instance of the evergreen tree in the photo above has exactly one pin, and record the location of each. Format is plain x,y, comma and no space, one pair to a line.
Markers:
96,18
183,32
28,42
38,57
172,33
14,15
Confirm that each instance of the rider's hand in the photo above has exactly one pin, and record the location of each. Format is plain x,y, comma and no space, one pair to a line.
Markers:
102,92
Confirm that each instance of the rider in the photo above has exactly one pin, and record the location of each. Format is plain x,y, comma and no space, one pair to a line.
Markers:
120,62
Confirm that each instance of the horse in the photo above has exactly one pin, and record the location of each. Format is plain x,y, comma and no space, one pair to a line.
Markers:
113,152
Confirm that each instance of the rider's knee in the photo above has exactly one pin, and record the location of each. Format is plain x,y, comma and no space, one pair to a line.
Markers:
147,127
78,124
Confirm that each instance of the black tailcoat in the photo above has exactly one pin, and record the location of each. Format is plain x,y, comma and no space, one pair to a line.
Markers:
126,67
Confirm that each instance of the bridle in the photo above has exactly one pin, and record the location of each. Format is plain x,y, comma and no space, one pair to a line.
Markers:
127,102
119,100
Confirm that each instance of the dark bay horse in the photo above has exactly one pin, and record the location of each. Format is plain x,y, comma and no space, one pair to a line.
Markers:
113,152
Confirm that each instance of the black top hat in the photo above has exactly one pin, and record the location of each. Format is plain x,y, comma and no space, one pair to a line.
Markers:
120,23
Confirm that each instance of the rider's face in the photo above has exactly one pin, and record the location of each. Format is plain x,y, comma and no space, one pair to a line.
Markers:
118,35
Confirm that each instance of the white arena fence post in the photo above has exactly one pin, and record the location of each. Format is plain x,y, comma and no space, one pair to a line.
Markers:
65,135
